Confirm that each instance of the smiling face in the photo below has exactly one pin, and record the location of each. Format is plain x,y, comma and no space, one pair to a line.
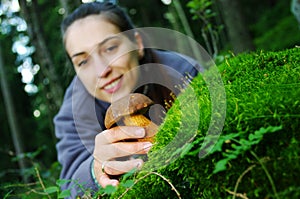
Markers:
103,57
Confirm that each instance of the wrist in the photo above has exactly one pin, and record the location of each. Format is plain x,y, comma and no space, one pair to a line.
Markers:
92,169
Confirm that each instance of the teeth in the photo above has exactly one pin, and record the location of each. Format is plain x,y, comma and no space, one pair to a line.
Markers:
112,85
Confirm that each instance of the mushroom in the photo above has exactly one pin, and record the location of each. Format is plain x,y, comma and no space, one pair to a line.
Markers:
129,110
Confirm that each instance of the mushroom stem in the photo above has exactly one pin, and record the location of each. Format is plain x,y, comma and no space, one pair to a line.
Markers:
142,121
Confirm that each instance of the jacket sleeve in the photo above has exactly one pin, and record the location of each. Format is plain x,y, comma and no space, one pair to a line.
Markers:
76,126
183,64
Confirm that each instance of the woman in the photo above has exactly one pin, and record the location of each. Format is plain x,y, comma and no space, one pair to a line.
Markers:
107,54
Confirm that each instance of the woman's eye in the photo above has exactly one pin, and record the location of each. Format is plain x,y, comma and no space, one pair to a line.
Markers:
111,49
81,63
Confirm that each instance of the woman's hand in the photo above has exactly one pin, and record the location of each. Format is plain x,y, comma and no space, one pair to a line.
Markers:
111,145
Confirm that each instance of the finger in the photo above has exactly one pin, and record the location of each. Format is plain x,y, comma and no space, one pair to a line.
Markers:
119,133
121,167
104,180
121,149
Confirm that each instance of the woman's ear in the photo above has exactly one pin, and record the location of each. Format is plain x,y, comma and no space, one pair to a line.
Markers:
140,44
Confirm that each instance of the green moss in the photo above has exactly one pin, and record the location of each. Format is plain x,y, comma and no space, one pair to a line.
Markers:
257,153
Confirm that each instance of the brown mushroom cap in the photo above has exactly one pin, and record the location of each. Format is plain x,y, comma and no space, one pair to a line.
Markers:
128,105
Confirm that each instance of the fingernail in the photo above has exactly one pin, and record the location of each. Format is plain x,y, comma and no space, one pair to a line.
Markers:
140,132
147,146
139,165
115,183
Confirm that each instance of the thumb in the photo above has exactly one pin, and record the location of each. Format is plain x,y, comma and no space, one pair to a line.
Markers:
104,180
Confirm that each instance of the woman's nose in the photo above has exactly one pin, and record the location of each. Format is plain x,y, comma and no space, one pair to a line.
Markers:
107,70
102,69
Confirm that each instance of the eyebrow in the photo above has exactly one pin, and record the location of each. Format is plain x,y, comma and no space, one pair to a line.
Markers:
99,44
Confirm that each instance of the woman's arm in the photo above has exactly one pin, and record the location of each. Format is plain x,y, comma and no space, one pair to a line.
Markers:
84,145
74,150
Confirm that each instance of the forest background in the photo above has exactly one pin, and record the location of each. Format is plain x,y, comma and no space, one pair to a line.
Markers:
35,72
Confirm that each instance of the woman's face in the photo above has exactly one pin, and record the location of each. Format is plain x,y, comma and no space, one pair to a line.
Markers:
103,59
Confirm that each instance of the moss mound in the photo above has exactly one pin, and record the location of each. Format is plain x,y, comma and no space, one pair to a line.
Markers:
257,153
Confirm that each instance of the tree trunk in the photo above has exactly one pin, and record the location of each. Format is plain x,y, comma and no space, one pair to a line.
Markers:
11,115
237,30
35,31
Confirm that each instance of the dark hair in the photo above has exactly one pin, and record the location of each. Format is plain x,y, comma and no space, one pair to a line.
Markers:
111,12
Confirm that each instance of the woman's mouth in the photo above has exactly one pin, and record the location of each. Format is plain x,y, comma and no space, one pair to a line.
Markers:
113,86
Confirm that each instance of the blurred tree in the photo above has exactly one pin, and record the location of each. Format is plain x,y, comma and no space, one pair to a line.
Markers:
31,12
17,123
146,13
34,111
238,32
11,115
272,24
205,13
14,104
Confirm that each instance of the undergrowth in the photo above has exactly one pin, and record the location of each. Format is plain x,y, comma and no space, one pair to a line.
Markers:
257,153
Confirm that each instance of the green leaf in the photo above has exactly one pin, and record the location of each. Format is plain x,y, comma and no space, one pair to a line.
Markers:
245,142
129,173
186,149
109,189
7,194
64,194
252,137
269,129
128,183
61,182
259,133
220,166
52,189
230,155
